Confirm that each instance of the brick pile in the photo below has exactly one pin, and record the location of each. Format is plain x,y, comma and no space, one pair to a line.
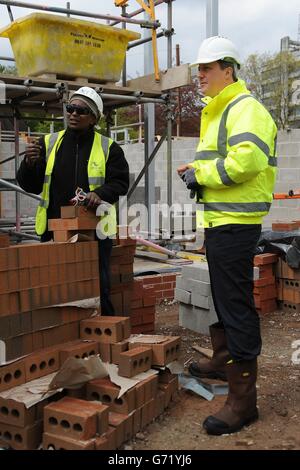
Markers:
288,287
74,220
93,417
265,291
40,275
162,286
30,331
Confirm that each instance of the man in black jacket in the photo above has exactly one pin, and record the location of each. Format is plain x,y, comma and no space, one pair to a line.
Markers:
70,171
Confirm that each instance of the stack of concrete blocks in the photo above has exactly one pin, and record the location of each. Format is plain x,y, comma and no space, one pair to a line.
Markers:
193,291
196,310
288,177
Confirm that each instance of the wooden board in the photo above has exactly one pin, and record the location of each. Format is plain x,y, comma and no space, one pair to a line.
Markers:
169,80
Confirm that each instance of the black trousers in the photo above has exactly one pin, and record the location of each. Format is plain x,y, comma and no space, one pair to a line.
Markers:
230,252
105,249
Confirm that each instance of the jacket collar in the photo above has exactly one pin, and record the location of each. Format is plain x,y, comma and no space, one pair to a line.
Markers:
227,94
80,137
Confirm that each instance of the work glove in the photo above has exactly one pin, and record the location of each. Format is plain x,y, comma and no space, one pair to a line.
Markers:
191,183
189,178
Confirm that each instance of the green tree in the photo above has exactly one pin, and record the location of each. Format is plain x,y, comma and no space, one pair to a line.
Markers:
270,79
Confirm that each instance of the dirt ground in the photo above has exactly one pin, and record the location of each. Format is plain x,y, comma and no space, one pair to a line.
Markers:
278,394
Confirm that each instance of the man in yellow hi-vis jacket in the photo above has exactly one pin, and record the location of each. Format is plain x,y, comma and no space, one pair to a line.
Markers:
78,157
234,170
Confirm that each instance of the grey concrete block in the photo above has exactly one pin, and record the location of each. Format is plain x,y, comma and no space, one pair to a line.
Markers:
198,271
202,301
196,319
182,296
200,287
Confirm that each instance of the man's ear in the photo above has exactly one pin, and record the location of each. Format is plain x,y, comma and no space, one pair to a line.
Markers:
229,72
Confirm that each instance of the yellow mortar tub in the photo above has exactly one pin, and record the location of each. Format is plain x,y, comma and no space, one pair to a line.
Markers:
44,43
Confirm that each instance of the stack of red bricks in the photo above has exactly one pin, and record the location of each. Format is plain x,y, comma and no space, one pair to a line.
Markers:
30,331
122,260
21,427
39,275
74,220
265,292
162,285
288,287
74,423
142,314
71,425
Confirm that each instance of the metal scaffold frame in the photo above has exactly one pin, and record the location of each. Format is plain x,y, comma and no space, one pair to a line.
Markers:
49,97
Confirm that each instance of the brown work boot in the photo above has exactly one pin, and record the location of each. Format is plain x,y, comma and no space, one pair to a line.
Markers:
213,368
240,407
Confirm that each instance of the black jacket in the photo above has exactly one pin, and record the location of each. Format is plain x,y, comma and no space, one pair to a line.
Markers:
70,172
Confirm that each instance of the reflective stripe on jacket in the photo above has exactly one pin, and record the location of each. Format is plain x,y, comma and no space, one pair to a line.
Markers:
236,160
96,176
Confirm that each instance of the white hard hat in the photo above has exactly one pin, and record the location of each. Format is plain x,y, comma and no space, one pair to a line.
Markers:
89,94
217,48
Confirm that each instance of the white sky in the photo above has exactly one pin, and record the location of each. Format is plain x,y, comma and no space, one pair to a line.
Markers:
254,25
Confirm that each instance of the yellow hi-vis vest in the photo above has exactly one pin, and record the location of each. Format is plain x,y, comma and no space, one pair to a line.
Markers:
236,159
96,177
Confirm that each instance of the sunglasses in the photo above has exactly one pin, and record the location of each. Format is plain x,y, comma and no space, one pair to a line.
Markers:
80,110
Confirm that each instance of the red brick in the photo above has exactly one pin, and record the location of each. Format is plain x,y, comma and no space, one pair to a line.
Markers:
266,292
264,281
15,413
3,259
28,438
284,226
107,441
149,280
267,306
106,331
78,349
266,270
135,361
116,349
105,351
107,392
4,240
75,418
40,364
162,353
71,212
265,258
123,425
53,442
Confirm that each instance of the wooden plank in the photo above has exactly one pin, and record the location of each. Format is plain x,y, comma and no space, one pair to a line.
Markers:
169,79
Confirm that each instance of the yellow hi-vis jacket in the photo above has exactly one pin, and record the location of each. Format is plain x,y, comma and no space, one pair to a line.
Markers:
96,177
236,159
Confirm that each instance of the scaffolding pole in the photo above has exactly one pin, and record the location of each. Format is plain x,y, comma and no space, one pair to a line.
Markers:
169,126
64,11
14,187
